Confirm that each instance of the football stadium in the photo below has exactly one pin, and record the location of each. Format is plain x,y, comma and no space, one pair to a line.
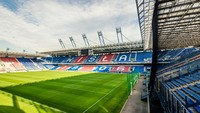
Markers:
160,73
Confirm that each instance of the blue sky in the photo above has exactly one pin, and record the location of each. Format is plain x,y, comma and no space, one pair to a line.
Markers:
36,25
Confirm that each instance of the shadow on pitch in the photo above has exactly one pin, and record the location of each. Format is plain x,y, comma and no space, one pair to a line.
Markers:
10,109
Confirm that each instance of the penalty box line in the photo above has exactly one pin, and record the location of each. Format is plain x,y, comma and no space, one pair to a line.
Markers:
102,98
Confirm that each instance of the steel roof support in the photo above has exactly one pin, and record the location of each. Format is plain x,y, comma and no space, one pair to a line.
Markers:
62,44
101,38
155,48
73,42
85,40
119,34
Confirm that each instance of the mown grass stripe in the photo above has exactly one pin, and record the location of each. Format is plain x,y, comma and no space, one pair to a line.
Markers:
101,98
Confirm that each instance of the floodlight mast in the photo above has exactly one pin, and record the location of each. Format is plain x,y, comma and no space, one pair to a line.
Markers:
101,38
119,34
85,40
73,42
62,44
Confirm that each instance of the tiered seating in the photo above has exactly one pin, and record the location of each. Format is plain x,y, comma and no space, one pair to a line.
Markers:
143,56
186,52
169,55
69,59
8,65
87,68
80,59
92,59
139,57
121,69
74,68
58,59
182,83
28,63
192,59
2,68
48,59
102,69
107,58
38,63
51,66
123,57
133,57
17,64
63,68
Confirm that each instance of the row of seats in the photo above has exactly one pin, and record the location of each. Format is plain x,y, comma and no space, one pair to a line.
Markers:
19,64
106,58
169,55
94,68
178,84
193,58
186,90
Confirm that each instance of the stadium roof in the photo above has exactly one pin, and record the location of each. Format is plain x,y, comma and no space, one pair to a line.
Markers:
178,23
20,54
109,48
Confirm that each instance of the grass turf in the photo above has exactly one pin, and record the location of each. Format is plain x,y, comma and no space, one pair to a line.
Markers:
90,92
10,79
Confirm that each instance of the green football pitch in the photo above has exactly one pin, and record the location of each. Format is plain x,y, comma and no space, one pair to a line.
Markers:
70,92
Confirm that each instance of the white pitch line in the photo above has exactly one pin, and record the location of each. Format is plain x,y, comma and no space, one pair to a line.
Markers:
101,98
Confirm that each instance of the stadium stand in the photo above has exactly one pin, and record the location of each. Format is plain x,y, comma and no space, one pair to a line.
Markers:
102,59
80,59
178,82
123,57
69,59
8,65
107,58
38,63
92,59
28,64
87,68
143,56
102,69
170,55
121,69
16,64
63,67
51,66
74,68
2,67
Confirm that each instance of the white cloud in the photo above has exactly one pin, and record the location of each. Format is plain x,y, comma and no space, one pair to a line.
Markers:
38,24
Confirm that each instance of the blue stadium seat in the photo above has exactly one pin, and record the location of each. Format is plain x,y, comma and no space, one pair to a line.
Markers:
198,85
92,59
28,63
190,78
123,57
69,59
50,66
102,69
186,80
143,56
195,89
170,85
74,68
180,81
175,83
184,96
192,94
197,108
